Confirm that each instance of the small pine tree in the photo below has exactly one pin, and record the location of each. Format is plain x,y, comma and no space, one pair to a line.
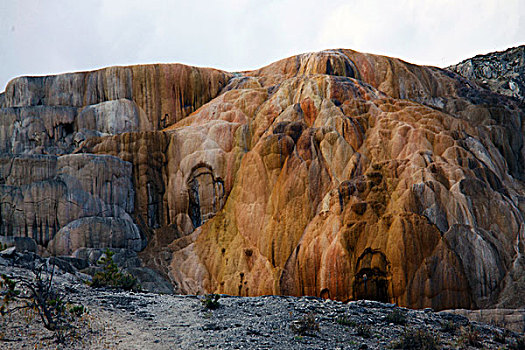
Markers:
111,276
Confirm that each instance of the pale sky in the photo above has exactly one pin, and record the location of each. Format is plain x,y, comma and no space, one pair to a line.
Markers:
40,37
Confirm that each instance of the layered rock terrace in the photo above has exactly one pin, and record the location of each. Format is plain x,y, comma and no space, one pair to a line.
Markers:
335,174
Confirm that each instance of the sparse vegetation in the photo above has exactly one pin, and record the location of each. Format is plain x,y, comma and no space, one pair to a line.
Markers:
396,317
346,321
519,344
77,310
111,276
364,330
470,336
38,296
501,337
417,340
211,301
306,325
449,327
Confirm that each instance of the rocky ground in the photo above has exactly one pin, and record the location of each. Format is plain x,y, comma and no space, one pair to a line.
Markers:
130,320
501,72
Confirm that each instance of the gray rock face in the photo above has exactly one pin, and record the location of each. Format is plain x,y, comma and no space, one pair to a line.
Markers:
72,89
37,129
59,130
25,169
67,202
113,117
164,93
502,72
96,232
107,178
42,194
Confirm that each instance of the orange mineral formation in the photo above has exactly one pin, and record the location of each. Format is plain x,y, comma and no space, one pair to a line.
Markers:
335,174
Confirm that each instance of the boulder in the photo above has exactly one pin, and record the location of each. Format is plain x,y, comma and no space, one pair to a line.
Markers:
62,264
37,129
78,264
8,253
96,232
150,280
25,244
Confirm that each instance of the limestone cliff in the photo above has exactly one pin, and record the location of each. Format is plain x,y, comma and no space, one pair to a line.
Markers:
336,174
67,201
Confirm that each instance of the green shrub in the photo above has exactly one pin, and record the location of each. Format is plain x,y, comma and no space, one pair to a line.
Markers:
417,340
364,330
77,310
471,337
397,317
305,325
211,301
449,327
346,321
111,276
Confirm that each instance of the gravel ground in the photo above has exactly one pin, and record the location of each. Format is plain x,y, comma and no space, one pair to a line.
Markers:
128,320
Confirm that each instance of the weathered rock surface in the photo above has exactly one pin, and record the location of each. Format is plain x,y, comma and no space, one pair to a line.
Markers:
95,232
42,196
113,117
164,92
55,114
20,243
335,174
502,72
513,319
376,168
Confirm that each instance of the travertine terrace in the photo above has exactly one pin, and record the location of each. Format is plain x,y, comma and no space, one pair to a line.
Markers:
334,174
